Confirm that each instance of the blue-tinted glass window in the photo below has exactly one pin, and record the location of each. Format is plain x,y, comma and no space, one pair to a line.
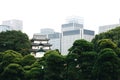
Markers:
88,32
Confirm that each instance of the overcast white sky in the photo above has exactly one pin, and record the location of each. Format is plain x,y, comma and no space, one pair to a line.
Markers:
37,14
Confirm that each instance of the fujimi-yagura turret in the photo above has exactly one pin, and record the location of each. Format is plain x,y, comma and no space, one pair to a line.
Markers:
40,45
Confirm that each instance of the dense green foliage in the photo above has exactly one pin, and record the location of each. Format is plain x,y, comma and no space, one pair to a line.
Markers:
85,57
82,63
28,60
14,40
80,46
107,65
96,60
13,72
105,43
54,66
113,35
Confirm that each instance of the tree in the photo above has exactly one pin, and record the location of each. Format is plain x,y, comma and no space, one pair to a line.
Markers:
105,43
107,65
85,60
36,73
54,64
9,57
28,60
71,70
113,35
13,72
14,40
81,46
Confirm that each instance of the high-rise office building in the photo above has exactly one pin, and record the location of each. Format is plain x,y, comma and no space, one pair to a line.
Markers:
72,31
14,24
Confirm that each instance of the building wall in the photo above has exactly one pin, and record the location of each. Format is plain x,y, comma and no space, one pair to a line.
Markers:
88,37
55,40
88,34
67,42
55,44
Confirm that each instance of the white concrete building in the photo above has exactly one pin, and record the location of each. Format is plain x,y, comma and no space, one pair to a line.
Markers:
72,31
14,24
